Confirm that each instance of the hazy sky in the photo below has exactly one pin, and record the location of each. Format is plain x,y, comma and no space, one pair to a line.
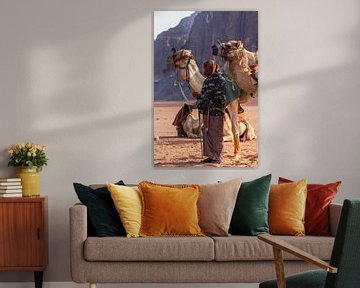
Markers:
163,20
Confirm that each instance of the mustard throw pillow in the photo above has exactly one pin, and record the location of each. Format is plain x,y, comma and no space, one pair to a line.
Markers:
169,210
127,201
287,204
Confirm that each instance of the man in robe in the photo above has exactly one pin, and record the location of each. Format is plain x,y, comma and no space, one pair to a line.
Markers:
211,103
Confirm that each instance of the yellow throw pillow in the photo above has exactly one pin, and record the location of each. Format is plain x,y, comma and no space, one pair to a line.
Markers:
169,210
127,201
287,204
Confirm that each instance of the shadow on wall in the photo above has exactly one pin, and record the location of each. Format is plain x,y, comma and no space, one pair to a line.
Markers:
57,58
69,68
314,113
65,70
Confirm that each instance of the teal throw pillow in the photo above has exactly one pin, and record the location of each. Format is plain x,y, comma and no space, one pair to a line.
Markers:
250,216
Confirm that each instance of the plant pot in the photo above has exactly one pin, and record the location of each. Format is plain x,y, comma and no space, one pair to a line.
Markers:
30,181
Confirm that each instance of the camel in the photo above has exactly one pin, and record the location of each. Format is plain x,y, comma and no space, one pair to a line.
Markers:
191,128
189,71
242,66
188,123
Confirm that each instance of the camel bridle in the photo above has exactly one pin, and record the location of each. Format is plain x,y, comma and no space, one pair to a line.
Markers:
183,56
227,49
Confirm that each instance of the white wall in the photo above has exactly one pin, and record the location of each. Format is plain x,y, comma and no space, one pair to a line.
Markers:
77,77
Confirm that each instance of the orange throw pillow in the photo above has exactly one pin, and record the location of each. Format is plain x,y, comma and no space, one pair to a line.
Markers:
287,204
319,197
169,210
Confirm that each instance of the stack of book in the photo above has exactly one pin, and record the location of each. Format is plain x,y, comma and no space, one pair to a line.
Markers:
10,187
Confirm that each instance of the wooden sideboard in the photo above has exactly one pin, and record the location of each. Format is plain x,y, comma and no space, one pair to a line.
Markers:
23,235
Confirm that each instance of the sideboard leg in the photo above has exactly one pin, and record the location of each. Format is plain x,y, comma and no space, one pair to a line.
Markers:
38,279
92,285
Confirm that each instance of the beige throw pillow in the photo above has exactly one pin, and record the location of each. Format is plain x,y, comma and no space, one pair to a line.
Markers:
216,206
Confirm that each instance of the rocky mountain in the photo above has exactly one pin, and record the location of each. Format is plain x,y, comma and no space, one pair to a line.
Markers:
174,37
198,33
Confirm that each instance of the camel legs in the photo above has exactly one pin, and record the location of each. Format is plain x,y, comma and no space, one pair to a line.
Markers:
92,285
233,109
236,146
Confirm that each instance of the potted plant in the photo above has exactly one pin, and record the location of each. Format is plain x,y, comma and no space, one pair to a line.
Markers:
30,158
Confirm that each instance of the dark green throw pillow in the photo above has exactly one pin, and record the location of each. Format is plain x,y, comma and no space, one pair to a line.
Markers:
103,218
250,216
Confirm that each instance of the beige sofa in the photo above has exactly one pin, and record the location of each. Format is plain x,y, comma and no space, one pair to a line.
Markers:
234,259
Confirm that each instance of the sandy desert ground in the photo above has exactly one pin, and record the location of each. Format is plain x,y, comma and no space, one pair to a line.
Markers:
172,151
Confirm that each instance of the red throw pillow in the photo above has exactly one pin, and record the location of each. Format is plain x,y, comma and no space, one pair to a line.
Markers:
319,197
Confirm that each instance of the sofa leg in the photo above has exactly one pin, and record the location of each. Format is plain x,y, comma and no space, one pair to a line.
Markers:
92,285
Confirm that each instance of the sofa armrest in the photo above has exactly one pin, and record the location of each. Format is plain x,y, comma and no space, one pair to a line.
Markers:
78,235
334,217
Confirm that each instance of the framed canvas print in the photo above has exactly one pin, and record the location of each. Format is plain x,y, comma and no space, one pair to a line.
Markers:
205,104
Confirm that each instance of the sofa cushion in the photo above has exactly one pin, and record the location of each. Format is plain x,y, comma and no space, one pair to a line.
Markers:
127,201
250,215
149,249
245,248
169,210
287,204
216,205
102,215
318,199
